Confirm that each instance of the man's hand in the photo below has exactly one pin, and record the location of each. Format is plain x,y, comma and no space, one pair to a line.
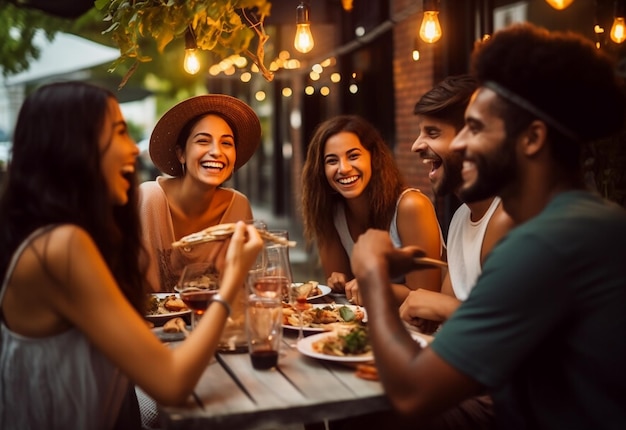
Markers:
374,251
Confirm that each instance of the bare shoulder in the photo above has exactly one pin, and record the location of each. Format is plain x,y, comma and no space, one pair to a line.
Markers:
415,202
500,222
499,225
63,241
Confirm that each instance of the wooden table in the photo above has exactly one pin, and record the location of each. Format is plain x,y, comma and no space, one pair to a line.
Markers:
232,395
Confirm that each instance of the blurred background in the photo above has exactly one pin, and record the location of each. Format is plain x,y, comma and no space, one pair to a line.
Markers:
369,57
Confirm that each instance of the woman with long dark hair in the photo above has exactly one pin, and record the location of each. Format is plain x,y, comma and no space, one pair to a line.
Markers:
72,334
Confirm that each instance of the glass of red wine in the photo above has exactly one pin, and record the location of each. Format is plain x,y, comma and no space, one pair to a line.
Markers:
196,287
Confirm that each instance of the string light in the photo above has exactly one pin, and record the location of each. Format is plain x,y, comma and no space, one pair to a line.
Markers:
618,30
415,54
559,4
191,64
430,30
303,41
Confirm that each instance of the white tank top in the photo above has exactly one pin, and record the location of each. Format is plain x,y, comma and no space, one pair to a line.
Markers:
341,225
465,242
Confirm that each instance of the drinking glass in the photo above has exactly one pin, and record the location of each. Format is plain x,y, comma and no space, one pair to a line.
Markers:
196,287
274,278
264,319
298,295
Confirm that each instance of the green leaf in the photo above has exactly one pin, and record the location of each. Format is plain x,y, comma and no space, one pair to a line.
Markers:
346,314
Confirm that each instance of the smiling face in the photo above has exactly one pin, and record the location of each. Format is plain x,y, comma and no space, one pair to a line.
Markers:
489,160
210,153
433,146
119,154
347,164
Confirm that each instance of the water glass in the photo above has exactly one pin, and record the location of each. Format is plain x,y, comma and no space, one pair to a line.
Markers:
264,318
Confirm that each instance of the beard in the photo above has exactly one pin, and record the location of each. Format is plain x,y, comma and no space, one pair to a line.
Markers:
495,171
451,179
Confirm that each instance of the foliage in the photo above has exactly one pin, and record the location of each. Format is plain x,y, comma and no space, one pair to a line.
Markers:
224,27
18,27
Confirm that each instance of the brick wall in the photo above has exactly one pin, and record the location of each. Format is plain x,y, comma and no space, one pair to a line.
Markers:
411,80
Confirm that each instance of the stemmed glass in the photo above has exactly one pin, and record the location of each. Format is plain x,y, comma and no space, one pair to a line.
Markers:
298,298
273,278
197,285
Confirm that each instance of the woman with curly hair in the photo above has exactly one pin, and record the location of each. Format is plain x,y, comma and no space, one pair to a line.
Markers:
350,183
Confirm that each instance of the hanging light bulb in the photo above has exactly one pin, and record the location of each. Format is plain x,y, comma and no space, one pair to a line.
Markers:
618,30
191,64
430,30
415,54
559,4
303,41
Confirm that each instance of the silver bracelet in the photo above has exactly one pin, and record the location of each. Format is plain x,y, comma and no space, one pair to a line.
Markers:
219,299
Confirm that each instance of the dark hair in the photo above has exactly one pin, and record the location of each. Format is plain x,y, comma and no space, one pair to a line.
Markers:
448,99
561,74
319,199
55,177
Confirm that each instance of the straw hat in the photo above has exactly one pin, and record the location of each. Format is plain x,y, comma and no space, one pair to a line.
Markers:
239,116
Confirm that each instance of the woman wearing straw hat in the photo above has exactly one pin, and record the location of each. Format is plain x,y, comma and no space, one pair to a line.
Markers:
197,144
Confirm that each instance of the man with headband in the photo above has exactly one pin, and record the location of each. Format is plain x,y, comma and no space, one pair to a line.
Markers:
543,330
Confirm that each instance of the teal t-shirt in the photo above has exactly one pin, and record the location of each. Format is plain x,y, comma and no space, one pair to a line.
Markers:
545,326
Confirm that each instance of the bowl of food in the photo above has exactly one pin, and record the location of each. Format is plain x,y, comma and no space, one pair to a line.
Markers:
165,306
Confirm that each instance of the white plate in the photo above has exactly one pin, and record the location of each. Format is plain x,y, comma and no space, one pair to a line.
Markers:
169,337
305,346
325,290
161,319
322,329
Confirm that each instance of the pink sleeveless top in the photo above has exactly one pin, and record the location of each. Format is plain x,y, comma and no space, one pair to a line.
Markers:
165,262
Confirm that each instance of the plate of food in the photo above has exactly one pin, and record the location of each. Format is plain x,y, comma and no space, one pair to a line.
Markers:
319,291
316,292
165,306
347,346
324,317
174,329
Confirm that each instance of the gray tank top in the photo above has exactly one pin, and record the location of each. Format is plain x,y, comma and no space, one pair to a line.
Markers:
55,382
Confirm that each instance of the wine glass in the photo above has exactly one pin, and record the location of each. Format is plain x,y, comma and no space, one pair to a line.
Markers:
197,285
273,279
298,295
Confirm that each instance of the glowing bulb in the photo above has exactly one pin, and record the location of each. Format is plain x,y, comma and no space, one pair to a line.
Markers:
191,63
430,30
303,41
618,31
559,4
416,55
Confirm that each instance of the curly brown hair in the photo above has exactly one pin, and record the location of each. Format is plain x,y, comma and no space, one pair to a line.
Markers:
319,199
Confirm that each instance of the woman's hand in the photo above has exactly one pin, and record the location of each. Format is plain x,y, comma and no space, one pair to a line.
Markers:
337,282
243,248
352,293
